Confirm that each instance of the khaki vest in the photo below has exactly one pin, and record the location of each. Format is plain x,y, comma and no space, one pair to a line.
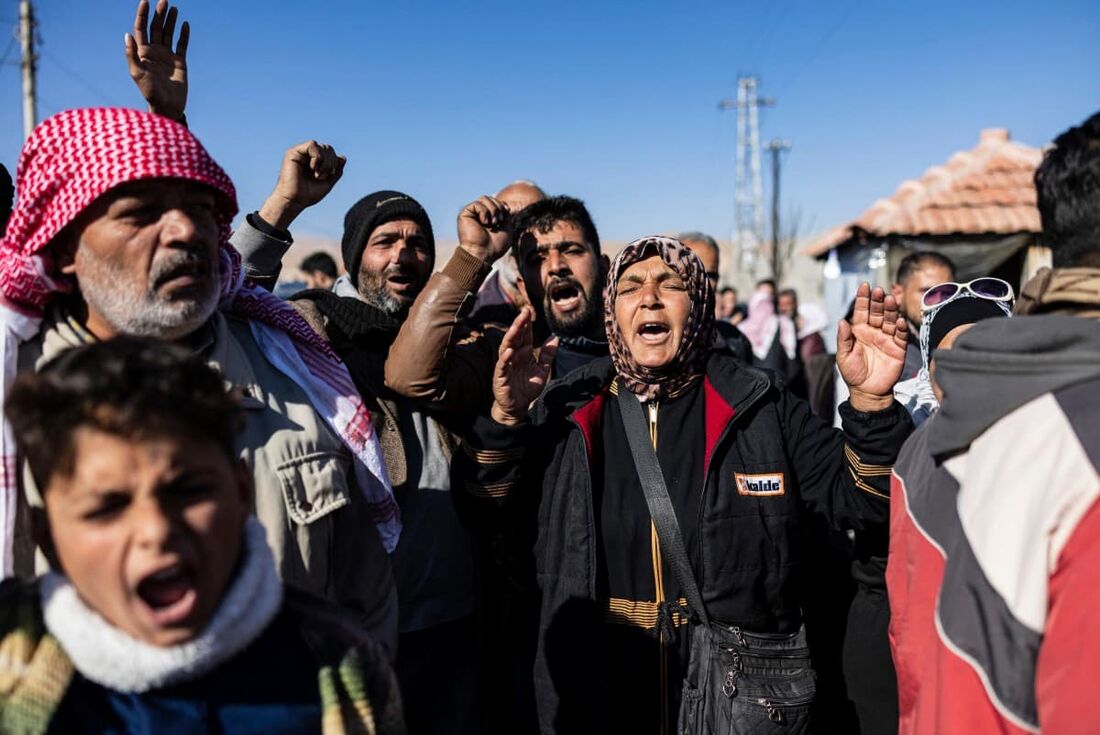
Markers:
305,493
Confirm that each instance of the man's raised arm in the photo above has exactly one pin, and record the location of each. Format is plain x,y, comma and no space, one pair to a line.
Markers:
159,72
433,359
308,173
309,170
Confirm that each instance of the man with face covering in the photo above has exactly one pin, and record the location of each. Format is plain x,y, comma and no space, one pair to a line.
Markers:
743,462
995,527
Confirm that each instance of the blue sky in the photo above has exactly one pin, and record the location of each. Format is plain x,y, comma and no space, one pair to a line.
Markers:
612,102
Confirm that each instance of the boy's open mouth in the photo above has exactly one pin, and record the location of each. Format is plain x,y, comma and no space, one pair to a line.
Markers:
169,594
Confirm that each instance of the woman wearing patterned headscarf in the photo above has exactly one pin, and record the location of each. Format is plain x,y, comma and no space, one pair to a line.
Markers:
741,462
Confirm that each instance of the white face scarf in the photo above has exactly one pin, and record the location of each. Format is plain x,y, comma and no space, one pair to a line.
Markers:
107,656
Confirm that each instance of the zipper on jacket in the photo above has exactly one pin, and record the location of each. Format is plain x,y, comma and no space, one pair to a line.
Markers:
729,686
652,406
658,584
775,711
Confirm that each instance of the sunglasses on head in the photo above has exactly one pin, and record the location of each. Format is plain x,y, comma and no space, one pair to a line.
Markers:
986,287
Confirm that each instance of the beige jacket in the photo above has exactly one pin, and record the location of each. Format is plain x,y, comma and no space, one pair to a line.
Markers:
305,493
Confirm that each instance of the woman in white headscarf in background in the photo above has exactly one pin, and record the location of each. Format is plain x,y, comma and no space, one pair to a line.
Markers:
773,337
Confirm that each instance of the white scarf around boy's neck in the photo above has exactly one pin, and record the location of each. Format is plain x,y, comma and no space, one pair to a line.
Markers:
107,656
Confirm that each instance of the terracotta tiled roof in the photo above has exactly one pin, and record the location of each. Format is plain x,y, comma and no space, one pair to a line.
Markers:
986,190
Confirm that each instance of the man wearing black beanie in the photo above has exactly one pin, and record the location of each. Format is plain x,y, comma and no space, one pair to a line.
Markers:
389,251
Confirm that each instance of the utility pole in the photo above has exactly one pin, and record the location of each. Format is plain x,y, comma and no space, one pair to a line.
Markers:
30,98
776,147
748,235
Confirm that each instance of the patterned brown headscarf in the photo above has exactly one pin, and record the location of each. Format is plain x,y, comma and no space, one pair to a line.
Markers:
690,359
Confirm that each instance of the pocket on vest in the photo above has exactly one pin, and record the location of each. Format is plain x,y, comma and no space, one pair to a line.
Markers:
314,485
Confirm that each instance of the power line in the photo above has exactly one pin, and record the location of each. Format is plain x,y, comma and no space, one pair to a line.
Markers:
767,36
48,106
69,72
752,47
819,47
8,50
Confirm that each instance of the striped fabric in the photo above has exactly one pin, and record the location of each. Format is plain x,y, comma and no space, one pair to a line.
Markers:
994,574
35,673
642,613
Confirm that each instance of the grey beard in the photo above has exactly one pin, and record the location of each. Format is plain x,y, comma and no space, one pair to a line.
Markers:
372,290
130,310
381,299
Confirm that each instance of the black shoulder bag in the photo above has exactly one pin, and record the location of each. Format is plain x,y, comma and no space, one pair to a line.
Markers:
736,682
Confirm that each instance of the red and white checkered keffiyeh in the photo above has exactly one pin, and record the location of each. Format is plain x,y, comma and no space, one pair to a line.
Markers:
69,161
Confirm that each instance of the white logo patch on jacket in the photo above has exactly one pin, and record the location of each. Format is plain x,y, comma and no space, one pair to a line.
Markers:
761,485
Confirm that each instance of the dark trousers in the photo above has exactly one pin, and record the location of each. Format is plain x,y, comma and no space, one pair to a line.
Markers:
439,671
868,666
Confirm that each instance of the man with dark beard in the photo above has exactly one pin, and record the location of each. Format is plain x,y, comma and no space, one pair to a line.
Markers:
558,252
388,251
556,246
439,362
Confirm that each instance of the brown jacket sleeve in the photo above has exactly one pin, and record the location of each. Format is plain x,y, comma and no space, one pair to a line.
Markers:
434,360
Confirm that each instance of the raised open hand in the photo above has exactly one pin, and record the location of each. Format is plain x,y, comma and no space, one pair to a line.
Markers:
485,228
308,173
870,352
520,374
159,74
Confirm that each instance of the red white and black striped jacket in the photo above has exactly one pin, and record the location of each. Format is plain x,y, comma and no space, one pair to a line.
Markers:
994,570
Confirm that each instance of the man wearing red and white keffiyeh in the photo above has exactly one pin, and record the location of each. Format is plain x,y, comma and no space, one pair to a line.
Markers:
122,226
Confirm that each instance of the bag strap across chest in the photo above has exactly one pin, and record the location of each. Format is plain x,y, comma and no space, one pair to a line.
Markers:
657,498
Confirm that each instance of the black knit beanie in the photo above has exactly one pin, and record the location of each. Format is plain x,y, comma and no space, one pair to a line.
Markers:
7,197
370,212
955,314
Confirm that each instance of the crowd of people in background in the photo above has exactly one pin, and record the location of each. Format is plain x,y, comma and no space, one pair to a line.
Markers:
541,488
